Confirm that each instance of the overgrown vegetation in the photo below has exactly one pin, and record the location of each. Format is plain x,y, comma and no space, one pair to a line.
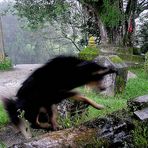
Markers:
140,134
5,64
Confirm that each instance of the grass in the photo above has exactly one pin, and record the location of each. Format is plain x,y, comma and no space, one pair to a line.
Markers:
140,134
134,88
3,116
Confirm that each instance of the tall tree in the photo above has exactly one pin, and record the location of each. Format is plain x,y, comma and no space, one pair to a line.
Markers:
113,20
118,17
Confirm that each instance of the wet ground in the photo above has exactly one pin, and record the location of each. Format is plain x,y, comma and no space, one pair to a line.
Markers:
11,80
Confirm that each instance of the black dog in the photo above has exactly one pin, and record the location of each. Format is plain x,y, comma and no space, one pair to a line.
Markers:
49,85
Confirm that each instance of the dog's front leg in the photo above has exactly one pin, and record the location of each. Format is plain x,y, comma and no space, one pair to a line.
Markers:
53,117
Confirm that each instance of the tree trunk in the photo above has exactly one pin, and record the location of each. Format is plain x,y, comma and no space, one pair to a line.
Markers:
2,54
129,25
103,32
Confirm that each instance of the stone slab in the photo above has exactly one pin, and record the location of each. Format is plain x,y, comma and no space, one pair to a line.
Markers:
142,114
142,99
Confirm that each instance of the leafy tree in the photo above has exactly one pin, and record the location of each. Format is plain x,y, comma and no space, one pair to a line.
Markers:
40,13
113,20
118,18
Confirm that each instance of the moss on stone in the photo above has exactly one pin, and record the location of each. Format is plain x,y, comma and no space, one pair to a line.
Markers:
133,58
89,53
115,59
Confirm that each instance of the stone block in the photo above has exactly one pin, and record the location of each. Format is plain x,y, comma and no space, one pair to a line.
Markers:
138,103
113,83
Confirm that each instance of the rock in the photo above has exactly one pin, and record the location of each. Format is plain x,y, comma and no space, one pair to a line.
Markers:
139,106
138,103
142,114
131,75
112,82
69,108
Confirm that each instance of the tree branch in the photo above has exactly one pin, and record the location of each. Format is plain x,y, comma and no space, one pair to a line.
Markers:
71,41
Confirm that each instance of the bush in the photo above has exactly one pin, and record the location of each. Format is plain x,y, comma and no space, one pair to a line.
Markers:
5,64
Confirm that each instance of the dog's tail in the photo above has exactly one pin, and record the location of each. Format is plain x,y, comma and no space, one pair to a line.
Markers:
14,115
10,107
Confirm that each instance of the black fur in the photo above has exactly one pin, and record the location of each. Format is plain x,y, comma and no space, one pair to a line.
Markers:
50,84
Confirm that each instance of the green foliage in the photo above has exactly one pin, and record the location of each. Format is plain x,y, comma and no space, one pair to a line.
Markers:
115,59
140,134
132,58
69,121
2,145
110,13
5,64
136,87
3,116
146,64
89,53
40,12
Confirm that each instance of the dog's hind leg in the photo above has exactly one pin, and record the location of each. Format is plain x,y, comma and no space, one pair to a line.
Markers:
80,97
42,119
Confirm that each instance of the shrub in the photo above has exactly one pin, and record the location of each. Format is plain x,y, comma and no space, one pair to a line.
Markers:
5,64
